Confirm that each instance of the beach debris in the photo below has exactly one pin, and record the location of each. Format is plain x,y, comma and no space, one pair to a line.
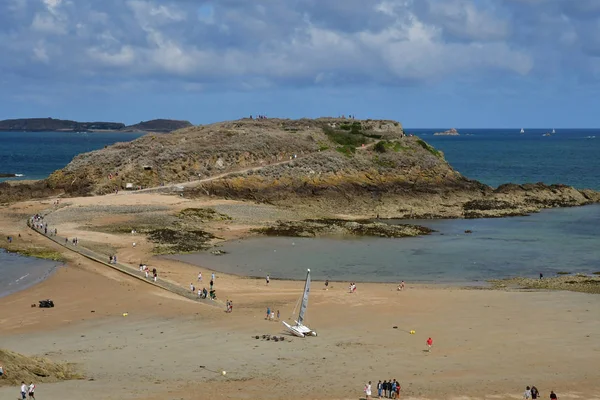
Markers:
270,338
46,303
413,332
394,327
224,373
125,314
468,231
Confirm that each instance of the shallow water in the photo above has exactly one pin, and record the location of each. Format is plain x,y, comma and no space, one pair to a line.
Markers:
18,272
565,239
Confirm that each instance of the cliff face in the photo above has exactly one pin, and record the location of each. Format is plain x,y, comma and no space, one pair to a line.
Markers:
327,165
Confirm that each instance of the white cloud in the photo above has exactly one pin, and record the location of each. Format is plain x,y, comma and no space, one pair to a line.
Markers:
251,45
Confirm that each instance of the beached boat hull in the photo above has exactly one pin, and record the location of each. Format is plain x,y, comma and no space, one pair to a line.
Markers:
300,330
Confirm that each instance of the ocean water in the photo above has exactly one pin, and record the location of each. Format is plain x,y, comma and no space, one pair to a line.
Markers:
18,272
564,239
555,240
35,155
497,156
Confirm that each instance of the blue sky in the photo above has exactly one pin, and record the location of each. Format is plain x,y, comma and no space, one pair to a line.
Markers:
426,63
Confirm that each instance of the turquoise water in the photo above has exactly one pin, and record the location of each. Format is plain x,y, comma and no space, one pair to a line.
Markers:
565,239
18,272
35,155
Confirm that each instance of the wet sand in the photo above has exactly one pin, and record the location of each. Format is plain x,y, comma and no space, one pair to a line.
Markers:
488,344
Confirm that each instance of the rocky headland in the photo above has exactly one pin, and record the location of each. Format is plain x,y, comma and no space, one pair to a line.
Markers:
332,166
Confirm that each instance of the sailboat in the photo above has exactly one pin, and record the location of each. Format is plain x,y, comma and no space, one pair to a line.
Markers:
522,130
300,329
553,131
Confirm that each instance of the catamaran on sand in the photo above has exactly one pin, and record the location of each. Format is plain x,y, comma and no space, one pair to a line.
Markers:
300,329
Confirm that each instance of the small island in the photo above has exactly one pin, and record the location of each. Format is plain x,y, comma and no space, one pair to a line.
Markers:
449,132
60,125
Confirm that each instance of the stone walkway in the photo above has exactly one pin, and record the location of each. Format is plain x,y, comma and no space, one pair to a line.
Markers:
126,269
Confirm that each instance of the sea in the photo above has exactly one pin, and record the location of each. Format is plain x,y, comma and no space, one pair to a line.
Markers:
560,240
35,155
552,241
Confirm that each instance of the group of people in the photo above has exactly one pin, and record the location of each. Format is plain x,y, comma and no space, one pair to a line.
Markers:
27,390
144,268
387,389
533,393
204,293
271,314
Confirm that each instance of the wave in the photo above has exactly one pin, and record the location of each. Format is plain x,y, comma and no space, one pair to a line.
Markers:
19,175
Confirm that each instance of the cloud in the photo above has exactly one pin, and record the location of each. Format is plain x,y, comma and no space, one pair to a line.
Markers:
248,45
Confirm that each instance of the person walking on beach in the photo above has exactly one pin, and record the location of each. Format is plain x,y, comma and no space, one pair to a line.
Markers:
268,312
211,284
326,284
379,388
430,343
268,279
23,390
527,393
199,276
535,393
278,315
368,390
212,278
553,395
32,391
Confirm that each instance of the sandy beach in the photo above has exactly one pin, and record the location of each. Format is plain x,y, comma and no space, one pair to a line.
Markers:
488,344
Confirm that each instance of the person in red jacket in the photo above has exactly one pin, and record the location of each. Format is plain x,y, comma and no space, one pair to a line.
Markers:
429,344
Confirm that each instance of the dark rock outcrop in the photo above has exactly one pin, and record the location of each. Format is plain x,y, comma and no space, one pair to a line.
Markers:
331,227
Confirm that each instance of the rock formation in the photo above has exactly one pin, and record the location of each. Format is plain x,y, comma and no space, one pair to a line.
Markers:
450,132
334,166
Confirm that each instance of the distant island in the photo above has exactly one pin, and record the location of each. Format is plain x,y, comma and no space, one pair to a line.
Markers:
450,132
62,125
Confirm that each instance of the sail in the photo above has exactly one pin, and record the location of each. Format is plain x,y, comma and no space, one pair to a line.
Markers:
304,299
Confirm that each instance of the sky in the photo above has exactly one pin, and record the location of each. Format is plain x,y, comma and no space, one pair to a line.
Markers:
425,63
